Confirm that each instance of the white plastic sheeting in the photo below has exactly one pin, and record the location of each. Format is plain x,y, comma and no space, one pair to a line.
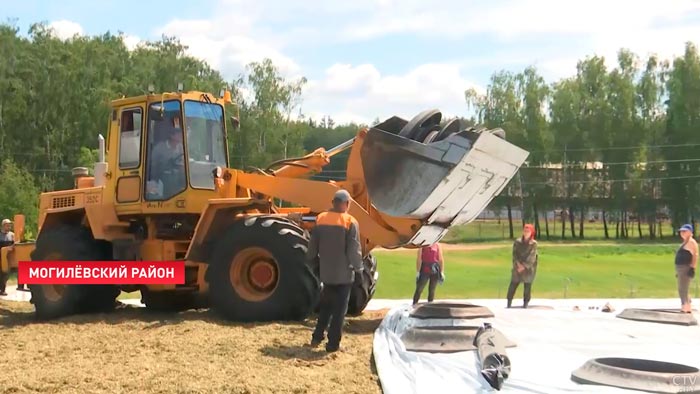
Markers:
551,344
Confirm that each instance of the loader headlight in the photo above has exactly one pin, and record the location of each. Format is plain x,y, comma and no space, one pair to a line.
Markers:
218,172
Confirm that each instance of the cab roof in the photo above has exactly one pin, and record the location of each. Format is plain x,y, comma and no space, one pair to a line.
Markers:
192,95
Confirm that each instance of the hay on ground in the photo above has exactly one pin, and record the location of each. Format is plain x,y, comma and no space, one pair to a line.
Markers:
134,350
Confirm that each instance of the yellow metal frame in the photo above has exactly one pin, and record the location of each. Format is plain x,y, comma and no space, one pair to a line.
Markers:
236,193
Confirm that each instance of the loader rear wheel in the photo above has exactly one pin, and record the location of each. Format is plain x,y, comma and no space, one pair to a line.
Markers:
258,272
70,243
363,289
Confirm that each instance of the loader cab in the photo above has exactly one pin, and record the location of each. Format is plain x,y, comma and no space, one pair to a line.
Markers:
168,147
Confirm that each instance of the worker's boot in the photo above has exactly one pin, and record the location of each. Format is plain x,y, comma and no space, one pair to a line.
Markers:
527,293
315,343
511,293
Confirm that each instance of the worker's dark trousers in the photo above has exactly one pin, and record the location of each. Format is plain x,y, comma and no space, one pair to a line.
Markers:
334,306
420,285
3,282
526,293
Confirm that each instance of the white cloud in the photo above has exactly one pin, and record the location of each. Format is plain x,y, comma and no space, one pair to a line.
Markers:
65,29
131,41
553,35
665,43
596,17
344,78
228,50
362,93
514,18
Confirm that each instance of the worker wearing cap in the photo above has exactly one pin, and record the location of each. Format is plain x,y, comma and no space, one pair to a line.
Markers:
7,238
335,241
686,262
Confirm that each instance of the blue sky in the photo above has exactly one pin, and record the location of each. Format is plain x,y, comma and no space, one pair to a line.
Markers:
375,58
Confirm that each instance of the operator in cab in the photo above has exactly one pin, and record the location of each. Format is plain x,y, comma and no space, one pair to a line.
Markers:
167,161
335,241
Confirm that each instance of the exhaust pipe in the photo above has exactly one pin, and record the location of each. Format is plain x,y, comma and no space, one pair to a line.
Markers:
101,165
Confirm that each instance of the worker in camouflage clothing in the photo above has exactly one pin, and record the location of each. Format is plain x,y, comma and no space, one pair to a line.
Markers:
524,265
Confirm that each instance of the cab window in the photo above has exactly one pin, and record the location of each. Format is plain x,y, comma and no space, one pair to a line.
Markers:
165,167
130,139
206,142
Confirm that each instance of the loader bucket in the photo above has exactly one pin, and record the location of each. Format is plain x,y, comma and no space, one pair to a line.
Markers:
444,183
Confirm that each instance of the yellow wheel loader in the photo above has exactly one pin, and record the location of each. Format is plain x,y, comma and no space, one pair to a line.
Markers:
162,190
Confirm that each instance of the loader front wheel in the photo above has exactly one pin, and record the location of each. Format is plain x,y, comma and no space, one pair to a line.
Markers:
70,243
363,289
258,272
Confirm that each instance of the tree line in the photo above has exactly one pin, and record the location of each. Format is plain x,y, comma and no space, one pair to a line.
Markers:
620,140
55,94
637,119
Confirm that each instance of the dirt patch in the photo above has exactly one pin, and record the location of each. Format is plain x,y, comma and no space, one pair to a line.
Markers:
134,350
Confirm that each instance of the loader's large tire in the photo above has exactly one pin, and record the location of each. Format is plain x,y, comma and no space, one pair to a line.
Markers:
70,243
451,127
258,272
363,288
421,125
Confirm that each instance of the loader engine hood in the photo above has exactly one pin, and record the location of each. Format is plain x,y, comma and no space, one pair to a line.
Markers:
442,183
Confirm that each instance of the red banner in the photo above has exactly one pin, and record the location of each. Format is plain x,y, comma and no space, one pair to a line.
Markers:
101,272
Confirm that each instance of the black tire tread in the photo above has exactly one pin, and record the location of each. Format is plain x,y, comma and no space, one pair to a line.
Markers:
298,291
75,243
421,125
363,288
452,127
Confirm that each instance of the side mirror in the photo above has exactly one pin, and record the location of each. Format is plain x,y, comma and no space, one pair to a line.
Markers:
235,123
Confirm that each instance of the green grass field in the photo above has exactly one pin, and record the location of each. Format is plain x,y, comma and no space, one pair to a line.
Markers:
594,270
624,271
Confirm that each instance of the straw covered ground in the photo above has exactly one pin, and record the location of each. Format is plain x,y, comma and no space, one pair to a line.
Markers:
136,351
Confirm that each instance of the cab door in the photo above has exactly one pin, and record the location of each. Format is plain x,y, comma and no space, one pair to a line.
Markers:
129,169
